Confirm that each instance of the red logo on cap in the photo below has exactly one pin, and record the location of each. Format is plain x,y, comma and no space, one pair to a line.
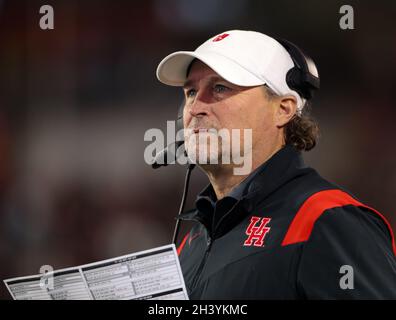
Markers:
220,37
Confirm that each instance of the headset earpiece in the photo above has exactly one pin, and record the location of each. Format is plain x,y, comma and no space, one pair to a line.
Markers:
303,77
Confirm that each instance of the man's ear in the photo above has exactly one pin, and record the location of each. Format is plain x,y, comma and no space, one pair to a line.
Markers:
287,108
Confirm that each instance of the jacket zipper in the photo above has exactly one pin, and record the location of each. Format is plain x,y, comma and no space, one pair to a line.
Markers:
202,264
209,246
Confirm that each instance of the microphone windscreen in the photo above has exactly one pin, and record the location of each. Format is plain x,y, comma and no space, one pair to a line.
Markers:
167,155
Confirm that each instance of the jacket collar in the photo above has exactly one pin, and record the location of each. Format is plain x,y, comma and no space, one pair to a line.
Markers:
282,167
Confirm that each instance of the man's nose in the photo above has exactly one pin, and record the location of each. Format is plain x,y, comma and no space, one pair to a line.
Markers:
199,107
198,110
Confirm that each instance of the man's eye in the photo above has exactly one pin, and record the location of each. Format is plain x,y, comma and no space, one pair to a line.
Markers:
219,88
190,93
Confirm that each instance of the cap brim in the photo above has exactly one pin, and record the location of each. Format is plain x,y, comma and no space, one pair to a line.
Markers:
172,70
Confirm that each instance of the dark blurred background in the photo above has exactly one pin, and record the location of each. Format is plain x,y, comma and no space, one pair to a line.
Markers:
76,101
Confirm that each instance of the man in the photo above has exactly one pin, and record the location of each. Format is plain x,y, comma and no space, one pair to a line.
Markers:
282,231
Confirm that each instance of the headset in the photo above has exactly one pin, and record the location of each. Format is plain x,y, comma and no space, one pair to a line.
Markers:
302,78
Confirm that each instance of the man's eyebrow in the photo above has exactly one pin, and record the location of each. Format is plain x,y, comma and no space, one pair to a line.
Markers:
213,78
188,83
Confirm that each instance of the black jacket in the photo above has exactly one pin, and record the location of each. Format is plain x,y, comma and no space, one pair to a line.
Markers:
287,234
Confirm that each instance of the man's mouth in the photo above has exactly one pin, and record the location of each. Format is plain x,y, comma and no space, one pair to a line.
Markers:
198,130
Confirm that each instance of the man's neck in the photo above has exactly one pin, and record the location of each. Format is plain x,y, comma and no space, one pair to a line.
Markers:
223,178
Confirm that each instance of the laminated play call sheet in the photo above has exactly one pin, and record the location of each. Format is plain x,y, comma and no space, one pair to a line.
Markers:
153,274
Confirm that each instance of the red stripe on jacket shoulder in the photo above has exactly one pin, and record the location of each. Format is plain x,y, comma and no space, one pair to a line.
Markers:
181,246
301,227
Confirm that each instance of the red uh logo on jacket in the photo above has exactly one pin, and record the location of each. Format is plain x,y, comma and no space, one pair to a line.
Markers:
256,231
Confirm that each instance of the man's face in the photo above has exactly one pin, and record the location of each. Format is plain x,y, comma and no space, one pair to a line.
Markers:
213,103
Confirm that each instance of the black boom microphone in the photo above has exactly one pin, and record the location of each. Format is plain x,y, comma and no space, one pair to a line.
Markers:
167,156
161,159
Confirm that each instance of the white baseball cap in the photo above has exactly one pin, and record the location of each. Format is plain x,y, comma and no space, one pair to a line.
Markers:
244,58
